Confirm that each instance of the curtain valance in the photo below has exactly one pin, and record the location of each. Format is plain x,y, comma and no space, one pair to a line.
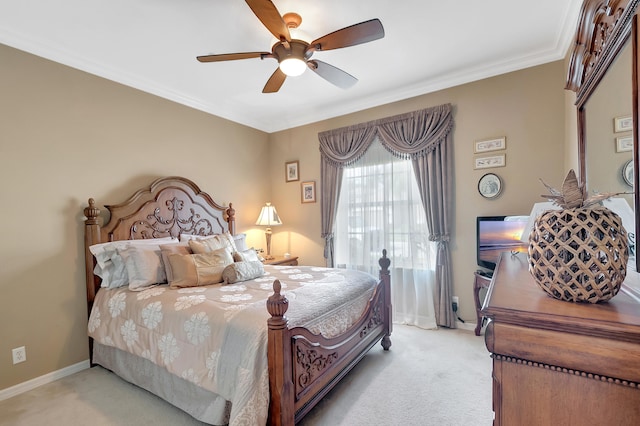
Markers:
408,135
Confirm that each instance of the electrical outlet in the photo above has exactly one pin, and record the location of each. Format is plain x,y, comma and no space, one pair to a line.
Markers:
456,300
19,354
454,303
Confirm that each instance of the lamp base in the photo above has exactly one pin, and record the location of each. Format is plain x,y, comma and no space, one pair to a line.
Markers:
268,235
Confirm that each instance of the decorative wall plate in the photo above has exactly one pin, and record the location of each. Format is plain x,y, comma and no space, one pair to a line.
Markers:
627,172
490,185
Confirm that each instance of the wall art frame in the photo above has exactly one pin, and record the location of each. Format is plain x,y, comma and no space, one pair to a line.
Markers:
490,162
487,145
308,192
292,171
624,143
623,124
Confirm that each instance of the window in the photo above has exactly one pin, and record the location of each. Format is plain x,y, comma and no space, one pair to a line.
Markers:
380,207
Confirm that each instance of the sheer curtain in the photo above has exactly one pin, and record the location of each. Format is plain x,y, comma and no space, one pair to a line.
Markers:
380,207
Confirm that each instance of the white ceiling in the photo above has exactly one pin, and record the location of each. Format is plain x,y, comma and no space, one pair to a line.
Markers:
152,45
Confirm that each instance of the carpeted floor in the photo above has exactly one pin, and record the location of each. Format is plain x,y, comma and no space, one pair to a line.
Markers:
429,377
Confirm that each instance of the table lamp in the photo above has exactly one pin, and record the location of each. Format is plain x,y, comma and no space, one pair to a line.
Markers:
268,217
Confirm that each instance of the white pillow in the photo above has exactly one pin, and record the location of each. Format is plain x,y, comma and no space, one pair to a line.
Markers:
144,266
110,266
249,255
187,237
242,271
241,242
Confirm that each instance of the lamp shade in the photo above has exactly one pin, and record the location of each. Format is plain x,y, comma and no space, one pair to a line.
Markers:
268,216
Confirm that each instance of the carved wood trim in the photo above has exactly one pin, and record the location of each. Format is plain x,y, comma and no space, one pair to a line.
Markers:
311,363
169,206
315,355
598,377
603,27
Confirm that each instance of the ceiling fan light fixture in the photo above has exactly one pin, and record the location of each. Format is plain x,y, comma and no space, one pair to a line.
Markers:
293,67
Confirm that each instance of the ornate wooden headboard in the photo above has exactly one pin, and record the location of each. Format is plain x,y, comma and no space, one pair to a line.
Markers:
169,207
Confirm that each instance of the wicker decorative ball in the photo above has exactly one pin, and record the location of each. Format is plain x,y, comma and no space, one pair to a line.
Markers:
579,254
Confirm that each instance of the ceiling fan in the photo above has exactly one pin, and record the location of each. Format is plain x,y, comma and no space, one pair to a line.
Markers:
294,55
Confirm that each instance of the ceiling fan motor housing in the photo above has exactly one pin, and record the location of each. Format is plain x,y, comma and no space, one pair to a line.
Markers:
296,49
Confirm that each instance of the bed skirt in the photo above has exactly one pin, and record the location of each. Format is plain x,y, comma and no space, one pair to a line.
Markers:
197,402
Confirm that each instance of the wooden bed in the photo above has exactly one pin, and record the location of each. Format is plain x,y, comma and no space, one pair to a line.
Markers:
302,366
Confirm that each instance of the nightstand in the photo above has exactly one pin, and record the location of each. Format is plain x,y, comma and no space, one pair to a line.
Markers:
281,260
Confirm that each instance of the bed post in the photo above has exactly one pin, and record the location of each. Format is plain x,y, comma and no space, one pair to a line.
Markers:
231,219
91,236
281,407
385,279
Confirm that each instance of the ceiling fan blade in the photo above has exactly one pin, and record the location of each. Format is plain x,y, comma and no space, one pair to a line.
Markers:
332,74
275,81
267,13
363,32
232,56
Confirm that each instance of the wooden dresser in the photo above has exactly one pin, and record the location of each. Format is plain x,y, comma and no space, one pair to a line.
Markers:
561,363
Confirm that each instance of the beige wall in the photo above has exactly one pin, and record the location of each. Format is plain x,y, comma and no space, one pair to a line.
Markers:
66,136
528,107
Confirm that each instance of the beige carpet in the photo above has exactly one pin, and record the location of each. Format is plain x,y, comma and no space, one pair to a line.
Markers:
428,378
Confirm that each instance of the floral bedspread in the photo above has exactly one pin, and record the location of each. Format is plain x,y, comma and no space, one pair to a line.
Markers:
216,336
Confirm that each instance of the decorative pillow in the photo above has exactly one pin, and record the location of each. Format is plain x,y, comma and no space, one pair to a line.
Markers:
167,249
242,271
241,242
193,270
110,266
187,237
246,256
144,266
214,242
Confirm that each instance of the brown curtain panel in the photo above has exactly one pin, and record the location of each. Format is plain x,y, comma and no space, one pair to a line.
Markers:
423,136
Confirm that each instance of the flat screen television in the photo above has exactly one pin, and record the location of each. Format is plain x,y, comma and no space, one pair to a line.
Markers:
497,234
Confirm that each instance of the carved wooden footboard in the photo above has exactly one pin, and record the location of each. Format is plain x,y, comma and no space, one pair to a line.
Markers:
303,366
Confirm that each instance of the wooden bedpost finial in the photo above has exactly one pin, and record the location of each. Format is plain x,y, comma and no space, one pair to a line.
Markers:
231,218
92,212
277,304
384,261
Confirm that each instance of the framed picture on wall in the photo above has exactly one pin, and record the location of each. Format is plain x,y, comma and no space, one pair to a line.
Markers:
292,172
487,145
489,162
622,124
624,144
308,192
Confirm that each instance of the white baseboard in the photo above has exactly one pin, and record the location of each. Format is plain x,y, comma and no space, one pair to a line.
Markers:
471,326
43,380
